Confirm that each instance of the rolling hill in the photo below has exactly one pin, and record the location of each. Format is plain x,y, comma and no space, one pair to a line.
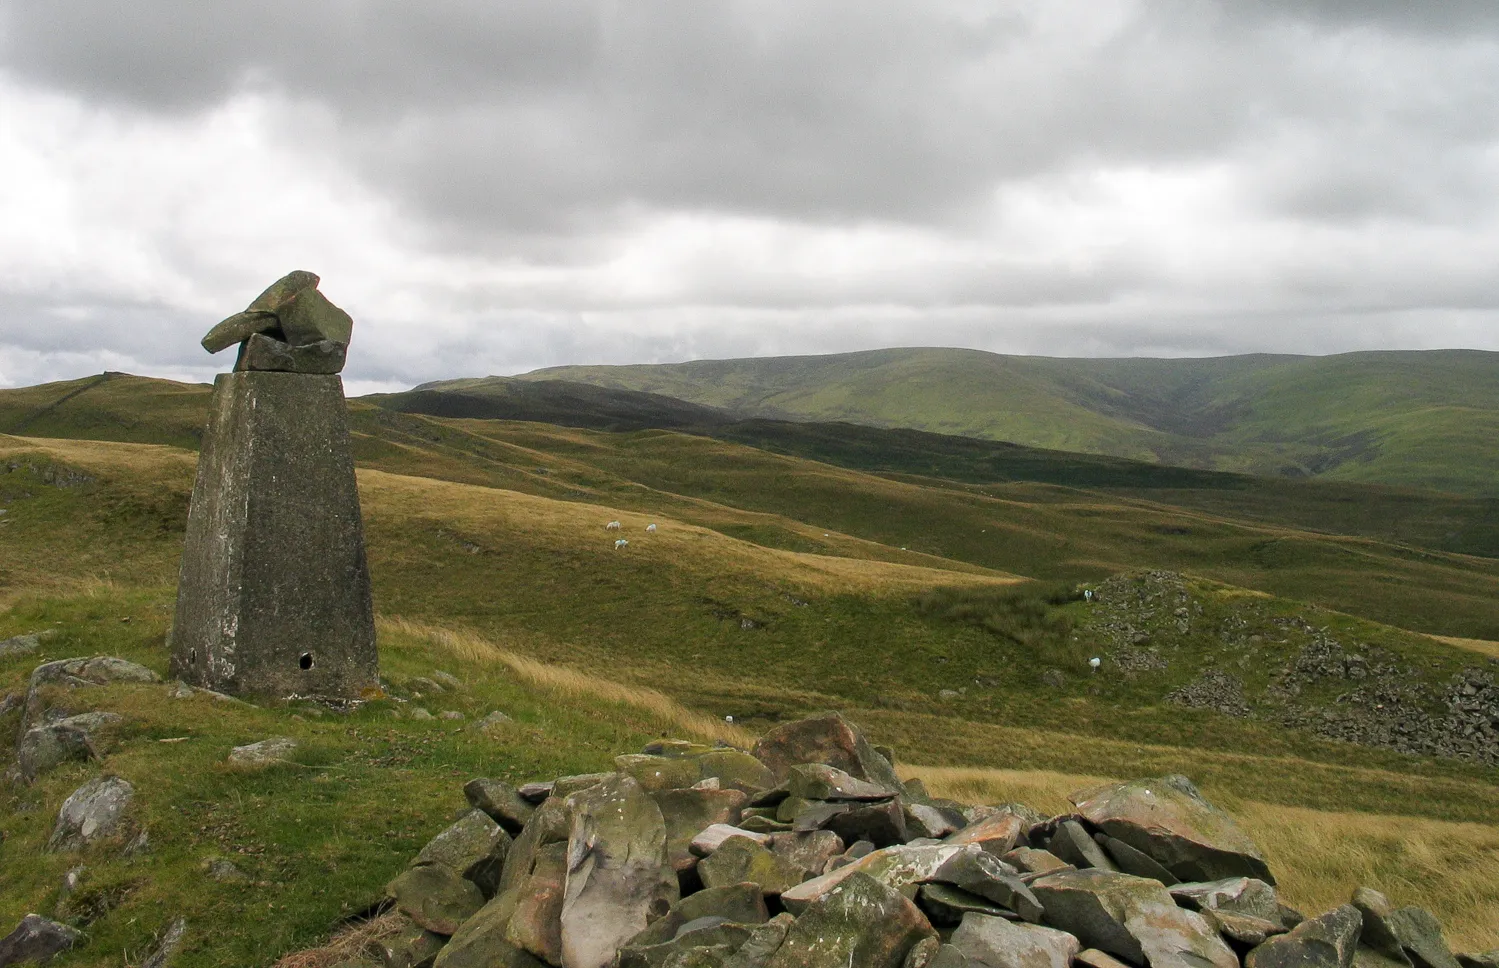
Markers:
775,585
1420,419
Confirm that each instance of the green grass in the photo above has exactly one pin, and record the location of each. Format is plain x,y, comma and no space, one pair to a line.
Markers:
1356,416
723,611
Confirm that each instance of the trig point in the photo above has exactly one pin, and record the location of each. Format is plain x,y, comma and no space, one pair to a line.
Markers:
274,594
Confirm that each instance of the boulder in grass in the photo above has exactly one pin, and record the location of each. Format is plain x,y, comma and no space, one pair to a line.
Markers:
618,877
264,753
859,922
828,739
37,940
1329,941
999,943
1132,917
1168,820
44,748
92,812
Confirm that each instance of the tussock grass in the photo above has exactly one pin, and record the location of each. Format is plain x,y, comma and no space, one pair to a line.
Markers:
572,684
1319,856
347,945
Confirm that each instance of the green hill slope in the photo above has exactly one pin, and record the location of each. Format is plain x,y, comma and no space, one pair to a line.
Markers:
1422,419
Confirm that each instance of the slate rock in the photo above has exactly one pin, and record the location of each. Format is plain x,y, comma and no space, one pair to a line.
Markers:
480,941
79,673
1246,929
501,802
922,953
536,923
949,957
412,947
565,786
1093,958
42,749
895,867
435,897
1000,943
551,823
688,812
859,922
1328,941
1420,936
819,781
829,739
946,905
1376,932
704,943
764,941
1074,845
981,873
238,328
1034,860
734,770
713,836
37,940
474,846
883,824
1237,895
655,773
308,316
264,753
92,812
1168,820
923,820
740,859
998,833
1487,959
618,877
264,353
738,903
223,870
1132,917
809,850
1131,861
535,793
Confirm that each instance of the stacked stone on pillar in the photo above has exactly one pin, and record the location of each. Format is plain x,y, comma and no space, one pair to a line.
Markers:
274,592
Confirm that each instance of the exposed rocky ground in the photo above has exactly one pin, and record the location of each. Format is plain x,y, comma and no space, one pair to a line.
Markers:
808,852
1248,662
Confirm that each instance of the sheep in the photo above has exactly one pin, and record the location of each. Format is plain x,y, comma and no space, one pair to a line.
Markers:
1088,594
1094,663
621,543
613,526
650,529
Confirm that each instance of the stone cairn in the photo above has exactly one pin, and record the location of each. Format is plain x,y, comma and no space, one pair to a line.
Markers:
274,593
811,853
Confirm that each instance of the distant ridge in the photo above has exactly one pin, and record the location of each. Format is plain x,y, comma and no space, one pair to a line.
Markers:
1414,418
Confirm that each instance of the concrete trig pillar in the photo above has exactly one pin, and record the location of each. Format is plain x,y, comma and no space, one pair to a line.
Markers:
274,593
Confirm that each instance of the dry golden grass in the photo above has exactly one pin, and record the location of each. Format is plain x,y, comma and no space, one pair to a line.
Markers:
498,512
1319,857
570,683
1481,646
353,944
137,461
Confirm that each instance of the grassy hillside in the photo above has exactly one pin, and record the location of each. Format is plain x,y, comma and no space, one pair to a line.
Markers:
1420,419
520,594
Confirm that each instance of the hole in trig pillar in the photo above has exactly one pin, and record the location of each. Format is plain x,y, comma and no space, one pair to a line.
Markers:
305,661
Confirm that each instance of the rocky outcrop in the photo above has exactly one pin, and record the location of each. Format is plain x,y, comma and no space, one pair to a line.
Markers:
93,811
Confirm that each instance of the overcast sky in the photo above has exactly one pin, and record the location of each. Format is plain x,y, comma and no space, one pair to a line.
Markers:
494,187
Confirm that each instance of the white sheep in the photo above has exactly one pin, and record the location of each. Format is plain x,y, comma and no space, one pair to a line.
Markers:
613,526
650,529
1094,663
621,543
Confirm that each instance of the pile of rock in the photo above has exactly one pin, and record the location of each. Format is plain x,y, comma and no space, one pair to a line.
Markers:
290,328
810,852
